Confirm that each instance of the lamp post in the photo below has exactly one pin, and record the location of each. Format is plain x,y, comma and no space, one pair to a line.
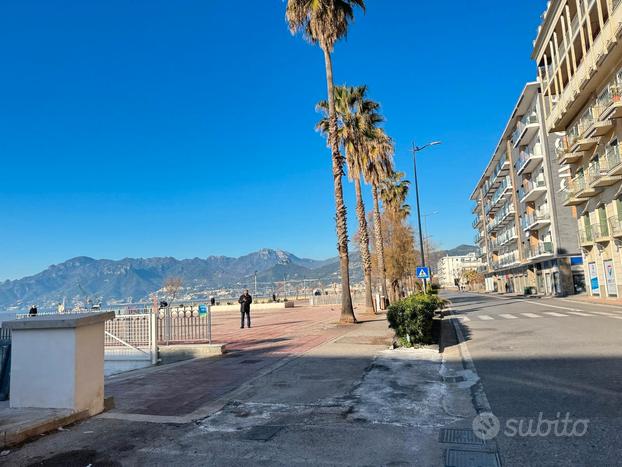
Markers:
415,150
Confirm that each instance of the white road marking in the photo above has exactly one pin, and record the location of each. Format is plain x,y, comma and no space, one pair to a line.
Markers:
616,307
578,313
604,313
616,317
531,315
552,313
485,318
464,318
508,316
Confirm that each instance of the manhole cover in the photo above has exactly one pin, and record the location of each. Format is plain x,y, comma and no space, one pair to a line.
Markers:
251,360
450,435
460,458
262,433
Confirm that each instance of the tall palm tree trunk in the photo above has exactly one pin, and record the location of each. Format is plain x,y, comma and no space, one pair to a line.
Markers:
347,312
379,243
364,245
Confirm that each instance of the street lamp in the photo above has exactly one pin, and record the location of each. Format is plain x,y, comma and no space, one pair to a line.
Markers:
415,150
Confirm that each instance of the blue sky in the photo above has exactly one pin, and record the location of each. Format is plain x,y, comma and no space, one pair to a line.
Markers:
158,128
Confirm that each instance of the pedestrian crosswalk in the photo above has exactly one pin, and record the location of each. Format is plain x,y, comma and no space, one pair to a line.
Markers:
539,314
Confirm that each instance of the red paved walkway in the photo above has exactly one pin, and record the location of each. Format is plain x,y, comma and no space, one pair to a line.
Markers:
178,390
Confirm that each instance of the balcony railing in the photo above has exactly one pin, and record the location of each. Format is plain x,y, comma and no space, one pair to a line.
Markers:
540,249
615,225
536,217
600,231
612,154
530,186
526,120
501,190
523,159
585,237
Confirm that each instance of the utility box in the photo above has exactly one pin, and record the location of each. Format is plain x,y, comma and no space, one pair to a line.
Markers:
57,361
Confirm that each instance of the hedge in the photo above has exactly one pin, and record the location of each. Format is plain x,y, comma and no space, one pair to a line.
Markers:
411,318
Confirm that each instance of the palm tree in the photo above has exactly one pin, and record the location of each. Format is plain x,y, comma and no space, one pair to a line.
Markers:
379,169
324,22
357,120
393,192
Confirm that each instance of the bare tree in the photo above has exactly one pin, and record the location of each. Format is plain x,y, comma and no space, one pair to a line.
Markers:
171,287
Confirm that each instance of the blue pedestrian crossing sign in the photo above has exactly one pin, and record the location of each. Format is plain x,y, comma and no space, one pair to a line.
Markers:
423,272
202,310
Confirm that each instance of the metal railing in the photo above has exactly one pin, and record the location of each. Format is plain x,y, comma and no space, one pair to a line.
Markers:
615,224
541,249
526,120
335,299
530,186
534,217
178,326
600,230
585,236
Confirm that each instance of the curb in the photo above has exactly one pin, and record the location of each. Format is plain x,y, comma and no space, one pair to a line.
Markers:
24,432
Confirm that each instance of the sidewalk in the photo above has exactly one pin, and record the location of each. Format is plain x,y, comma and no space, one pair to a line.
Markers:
304,391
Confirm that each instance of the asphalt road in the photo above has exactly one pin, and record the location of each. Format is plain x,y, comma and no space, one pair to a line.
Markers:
554,363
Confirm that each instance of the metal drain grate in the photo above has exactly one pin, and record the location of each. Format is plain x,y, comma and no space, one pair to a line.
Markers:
455,436
460,458
250,361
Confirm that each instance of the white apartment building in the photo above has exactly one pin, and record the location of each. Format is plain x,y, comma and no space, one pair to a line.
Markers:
578,50
527,237
450,268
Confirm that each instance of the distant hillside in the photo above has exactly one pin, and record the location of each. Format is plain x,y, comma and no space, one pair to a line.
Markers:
461,250
133,279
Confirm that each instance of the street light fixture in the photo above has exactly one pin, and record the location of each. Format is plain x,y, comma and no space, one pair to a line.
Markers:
415,150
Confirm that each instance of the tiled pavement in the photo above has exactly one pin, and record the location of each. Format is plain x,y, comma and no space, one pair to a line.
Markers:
178,390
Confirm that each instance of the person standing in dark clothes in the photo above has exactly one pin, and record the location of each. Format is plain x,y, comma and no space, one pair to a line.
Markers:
33,311
245,308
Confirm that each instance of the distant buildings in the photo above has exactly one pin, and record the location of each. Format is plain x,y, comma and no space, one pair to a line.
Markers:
528,238
450,268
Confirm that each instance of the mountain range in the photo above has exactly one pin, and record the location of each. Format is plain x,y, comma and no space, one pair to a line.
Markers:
133,279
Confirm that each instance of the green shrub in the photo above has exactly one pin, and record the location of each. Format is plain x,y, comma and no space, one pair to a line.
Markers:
411,318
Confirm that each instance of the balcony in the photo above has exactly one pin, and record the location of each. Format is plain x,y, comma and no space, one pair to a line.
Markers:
536,220
600,232
539,249
527,162
500,193
476,222
615,226
610,99
614,160
497,177
585,190
573,194
532,190
526,129
598,173
598,127
564,155
585,237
